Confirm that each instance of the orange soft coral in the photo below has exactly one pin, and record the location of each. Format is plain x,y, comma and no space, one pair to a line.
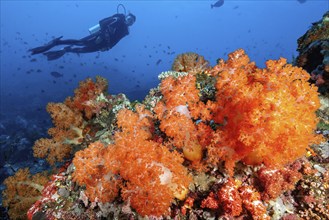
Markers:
91,171
85,96
68,130
268,114
153,175
179,105
179,91
22,190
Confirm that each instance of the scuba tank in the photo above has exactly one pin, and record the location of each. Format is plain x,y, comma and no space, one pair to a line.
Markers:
94,29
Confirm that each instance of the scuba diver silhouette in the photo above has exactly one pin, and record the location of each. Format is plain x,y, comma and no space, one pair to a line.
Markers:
103,37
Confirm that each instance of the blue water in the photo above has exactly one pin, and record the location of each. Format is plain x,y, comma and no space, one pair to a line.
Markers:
163,29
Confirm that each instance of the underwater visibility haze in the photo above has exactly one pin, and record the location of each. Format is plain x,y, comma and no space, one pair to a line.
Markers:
187,44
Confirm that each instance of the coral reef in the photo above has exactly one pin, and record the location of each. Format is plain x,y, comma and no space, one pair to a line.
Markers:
227,142
313,48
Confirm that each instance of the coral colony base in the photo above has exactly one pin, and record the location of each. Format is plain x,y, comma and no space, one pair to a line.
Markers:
218,142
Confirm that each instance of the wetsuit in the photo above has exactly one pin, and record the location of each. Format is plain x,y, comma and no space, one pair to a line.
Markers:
112,30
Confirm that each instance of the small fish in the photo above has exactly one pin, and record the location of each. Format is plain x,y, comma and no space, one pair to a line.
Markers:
33,60
158,62
56,74
301,1
218,4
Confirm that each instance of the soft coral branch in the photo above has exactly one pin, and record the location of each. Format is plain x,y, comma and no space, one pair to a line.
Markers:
68,130
22,190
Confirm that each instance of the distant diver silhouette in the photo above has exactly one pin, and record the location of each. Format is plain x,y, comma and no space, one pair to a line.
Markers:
103,37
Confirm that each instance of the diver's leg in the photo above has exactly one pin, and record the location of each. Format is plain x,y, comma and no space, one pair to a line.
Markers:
88,49
90,39
71,42
58,41
46,47
53,55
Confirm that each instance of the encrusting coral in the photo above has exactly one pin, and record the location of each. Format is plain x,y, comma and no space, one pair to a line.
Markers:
221,142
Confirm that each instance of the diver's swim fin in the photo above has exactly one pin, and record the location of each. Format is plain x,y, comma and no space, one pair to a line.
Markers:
46,47
54,55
